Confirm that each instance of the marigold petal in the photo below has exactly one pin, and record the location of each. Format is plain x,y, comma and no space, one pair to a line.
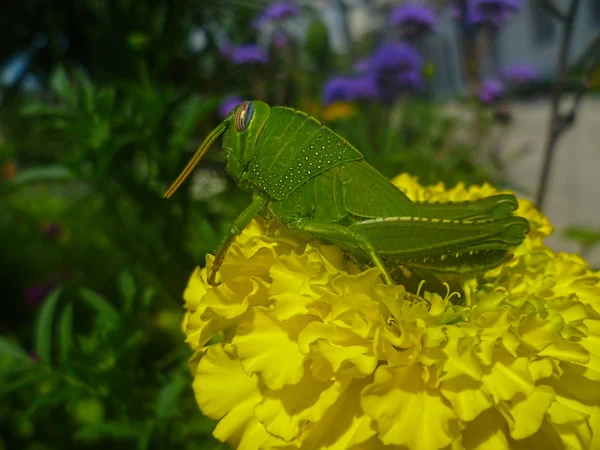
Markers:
232,298
461,359
200,327
196,288
577,429
404,409
344,425
347,429
466,396
256,437
223,391
351,359
487,432
284,413
507,377
290,304
265,345
335,333
525,414
592,345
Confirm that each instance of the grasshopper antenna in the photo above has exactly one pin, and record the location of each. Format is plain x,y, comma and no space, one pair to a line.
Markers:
196,158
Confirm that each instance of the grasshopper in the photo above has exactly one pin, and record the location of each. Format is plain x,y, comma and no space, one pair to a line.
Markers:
317,184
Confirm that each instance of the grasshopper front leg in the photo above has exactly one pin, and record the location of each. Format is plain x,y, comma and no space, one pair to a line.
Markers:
236,228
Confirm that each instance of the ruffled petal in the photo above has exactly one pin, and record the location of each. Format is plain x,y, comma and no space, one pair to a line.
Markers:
466,396
219,384
525,415
284,413
404,409
265,345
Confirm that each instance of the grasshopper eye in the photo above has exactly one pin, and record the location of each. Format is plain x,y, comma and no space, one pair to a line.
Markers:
244,116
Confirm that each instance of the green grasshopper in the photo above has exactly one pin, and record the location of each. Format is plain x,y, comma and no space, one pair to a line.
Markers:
315,183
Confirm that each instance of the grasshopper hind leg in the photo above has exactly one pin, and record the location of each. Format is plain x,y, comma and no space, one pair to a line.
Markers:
345,238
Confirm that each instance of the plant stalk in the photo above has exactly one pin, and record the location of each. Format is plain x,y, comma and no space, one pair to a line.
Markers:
556,128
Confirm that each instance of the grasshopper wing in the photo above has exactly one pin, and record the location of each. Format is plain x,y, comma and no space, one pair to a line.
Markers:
368,194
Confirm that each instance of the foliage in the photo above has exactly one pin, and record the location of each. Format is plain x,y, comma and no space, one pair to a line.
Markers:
114,372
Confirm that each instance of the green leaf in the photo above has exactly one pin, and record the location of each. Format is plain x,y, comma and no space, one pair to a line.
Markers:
107,429
585,236
168,397
7,388
66,332
147,297
51,173
61,85
10,348
100,304
35,108
15,369
105,99
187,117
146,436
43,330
127,288
47,400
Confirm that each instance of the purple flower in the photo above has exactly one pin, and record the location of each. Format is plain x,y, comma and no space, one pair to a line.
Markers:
395,57
519,73
36,293
491,90
396,68
342,88
279,39
245,54
228,105
275,12
52,230
362,65
281,10
495,12
414,19
491,12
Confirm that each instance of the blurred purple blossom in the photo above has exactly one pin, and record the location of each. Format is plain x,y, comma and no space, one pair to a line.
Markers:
279,39
491,89
519,73
362,65
414,19
342,88
396,68
392,85
52,230
392,69
395,57
228,105
245,54
36,293
491,12
274,12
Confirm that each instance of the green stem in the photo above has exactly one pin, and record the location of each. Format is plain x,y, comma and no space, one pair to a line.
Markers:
555,128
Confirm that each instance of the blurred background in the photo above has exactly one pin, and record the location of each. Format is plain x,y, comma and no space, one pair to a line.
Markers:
102,103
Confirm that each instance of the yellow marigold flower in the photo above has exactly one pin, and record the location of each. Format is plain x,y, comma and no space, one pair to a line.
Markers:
308,351
338,110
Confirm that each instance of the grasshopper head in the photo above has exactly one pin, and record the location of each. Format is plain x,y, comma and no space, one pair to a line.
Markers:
240,139
241,129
